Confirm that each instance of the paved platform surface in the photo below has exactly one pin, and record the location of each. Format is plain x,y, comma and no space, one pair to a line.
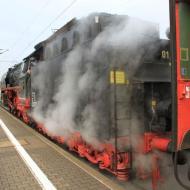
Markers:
61,168
64,170
12,169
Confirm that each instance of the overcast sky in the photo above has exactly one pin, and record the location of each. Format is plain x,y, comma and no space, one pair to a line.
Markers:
22,21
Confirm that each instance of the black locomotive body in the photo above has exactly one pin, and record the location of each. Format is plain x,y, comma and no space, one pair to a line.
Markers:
110,91
150,80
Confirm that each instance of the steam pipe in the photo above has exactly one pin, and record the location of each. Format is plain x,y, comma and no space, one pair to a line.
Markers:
162,144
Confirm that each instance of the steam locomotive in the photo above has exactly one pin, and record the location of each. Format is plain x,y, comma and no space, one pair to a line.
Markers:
102,86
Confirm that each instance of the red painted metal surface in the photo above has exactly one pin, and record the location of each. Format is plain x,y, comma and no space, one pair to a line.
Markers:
153,141
153,172
160,143
183,92
17,105
156,177
103,157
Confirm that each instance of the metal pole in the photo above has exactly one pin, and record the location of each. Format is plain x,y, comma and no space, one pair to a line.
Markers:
173,72
115,116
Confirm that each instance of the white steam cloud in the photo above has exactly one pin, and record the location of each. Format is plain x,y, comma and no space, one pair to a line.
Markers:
77,98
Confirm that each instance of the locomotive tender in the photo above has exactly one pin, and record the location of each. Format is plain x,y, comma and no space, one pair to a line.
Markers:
109,101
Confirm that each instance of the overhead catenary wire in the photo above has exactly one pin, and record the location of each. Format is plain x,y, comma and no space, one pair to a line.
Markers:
47,27
8,61
31,23
3,51
21,36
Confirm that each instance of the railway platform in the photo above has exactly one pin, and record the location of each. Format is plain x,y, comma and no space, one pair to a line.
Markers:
46,166
30,161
